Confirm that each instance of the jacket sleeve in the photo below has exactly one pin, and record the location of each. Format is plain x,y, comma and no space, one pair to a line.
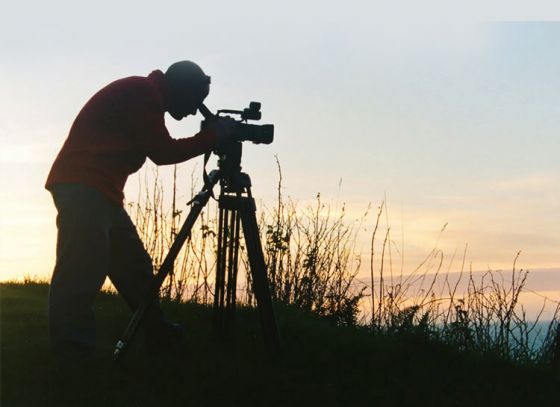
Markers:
153,139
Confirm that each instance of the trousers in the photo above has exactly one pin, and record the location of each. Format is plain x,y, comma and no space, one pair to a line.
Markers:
96,239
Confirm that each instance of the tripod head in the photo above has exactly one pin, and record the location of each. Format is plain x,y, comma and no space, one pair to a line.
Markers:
229,158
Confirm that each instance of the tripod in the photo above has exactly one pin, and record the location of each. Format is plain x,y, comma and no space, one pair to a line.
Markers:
236,210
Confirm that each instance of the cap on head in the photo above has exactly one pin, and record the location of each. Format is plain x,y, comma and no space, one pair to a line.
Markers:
188,86
186,75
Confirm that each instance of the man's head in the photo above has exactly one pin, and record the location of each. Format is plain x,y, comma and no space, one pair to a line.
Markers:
187,86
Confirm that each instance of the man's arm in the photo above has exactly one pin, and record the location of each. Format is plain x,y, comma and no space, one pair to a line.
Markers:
153,139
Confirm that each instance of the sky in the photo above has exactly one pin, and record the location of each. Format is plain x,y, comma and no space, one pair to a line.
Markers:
448,113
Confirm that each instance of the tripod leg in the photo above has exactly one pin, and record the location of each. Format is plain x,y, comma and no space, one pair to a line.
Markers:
221,259
220,297
199,202
233,259
233,250
226,270
258,273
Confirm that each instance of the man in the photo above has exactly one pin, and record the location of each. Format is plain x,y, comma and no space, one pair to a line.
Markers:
110,139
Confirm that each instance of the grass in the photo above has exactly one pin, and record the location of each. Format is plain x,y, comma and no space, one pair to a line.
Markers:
313,261
321,365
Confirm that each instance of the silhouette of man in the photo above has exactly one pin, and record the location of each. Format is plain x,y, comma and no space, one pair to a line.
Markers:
111,137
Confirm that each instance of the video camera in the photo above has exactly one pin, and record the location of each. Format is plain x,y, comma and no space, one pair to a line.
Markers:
258,134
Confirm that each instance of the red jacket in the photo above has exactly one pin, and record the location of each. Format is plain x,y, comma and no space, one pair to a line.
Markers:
116,130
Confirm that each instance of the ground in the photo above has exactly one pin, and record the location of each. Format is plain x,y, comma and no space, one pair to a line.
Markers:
321,365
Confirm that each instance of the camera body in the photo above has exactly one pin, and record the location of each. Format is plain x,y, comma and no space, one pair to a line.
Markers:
257,133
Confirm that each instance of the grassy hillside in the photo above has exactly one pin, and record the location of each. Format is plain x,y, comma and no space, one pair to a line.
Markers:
322,365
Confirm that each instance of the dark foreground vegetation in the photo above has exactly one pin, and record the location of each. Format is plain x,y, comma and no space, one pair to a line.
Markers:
322,365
